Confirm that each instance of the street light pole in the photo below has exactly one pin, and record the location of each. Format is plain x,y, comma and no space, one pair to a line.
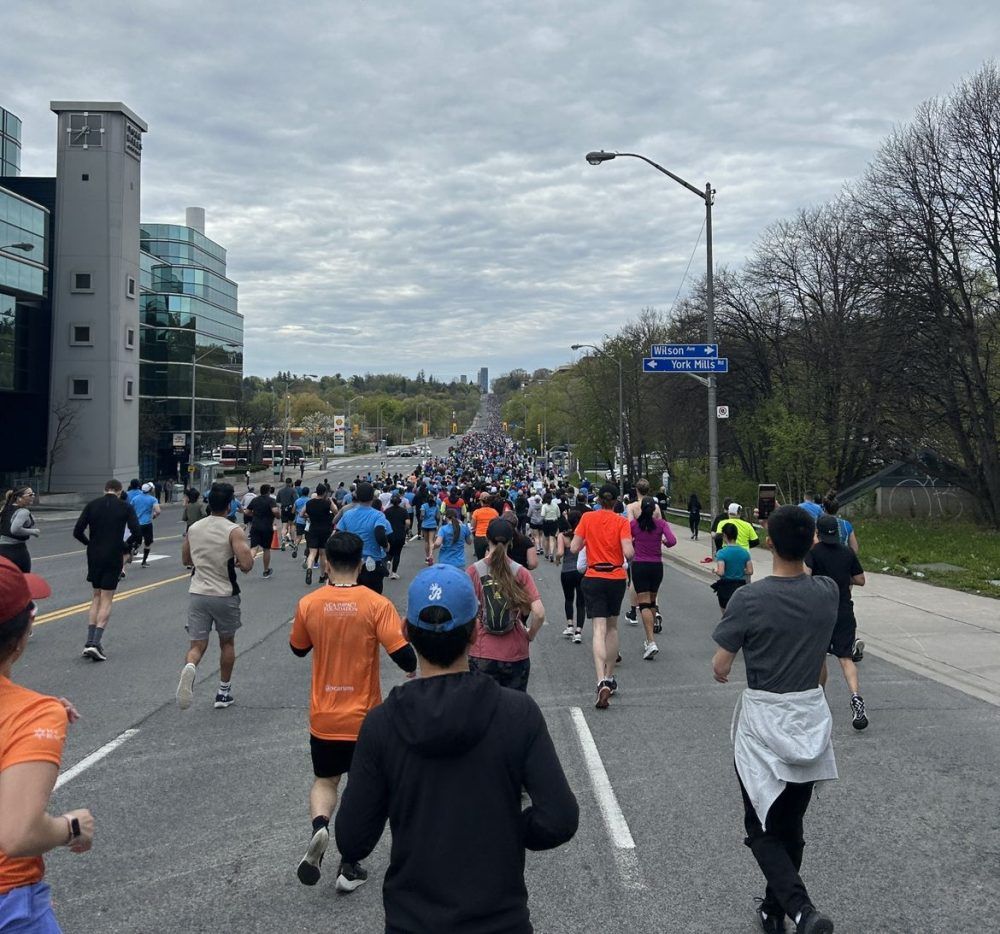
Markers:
621,397
708,197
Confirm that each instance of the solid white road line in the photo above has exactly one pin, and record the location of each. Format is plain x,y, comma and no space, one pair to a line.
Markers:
87,761
614,819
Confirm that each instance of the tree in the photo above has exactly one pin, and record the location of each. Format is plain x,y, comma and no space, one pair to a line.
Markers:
65,416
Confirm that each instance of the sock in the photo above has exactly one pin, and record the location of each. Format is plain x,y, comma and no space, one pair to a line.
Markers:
91,634
98,632
319,822
145,555
225,687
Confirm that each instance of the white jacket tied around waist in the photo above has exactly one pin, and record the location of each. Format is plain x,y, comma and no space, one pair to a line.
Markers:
780,738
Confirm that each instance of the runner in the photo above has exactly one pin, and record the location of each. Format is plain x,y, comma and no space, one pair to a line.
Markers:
452,538
399,519
299,526
631,511
694,515
535,520
263,511
783,624
194,508
146,510
550,525
511,612
215,547
829,558
17,526
365,521
32,734
429,518
344,623
245,502
481,519
649,535
733,566
286,497
467,749
101,529
571,579
319,517
608,540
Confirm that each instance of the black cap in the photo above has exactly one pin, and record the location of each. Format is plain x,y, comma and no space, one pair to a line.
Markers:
500,530
828,530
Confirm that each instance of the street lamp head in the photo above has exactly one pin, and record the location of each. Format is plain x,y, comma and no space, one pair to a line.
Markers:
26,247
575,346
596,158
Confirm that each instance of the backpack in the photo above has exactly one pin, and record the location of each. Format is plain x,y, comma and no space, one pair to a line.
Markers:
497,618
6,520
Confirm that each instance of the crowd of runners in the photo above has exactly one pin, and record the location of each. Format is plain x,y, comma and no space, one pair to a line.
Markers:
490,518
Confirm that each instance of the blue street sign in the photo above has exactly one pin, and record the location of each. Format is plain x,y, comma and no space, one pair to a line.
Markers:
685,365
684,350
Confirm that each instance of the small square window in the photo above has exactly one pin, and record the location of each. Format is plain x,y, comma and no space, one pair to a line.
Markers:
129,389
80,335
130,338
85,177
130,287
82,282
79,388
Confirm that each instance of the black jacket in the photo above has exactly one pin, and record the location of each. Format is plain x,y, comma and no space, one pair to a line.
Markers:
445,759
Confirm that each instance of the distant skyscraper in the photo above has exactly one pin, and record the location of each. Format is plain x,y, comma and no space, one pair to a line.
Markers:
464,379
484,379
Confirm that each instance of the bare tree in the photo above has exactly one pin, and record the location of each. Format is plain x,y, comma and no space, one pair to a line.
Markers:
64,421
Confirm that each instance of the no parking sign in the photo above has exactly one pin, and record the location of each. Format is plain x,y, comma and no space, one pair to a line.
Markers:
722,411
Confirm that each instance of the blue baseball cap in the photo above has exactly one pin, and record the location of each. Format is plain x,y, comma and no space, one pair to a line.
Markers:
445,586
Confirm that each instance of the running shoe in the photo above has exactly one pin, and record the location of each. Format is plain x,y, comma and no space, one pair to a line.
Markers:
351,876
813,922
185,687
858,650
224,699
618,660
577,637
632,617
283,544
121,576
95,651
322,578
393,576
305,562
613,681
308,871
309,577
658,623
295,552
771,921
649,651
569,631
268,573
603,694
860,720
144,566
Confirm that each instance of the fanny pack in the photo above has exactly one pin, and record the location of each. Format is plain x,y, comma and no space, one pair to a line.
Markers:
604,567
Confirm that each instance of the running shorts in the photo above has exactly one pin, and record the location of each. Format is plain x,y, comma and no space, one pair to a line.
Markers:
206,611
550,527
287,513
261,538
603,596
316,537
104,575
844,633
725,587
147,534
647,576
331,757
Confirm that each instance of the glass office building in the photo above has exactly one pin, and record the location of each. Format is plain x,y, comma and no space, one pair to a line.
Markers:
25,334
190,343
10,144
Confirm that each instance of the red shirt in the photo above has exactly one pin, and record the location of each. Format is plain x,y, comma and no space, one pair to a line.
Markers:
511,646
602,532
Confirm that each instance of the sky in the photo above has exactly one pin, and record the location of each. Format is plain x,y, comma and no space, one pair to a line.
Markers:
401,185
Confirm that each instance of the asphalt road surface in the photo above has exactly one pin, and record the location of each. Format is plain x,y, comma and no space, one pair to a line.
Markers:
202,815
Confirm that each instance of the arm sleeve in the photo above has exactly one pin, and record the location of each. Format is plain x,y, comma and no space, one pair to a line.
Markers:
554,814
80,529
668,534
364,807
405,658
380,535
856,566
17,523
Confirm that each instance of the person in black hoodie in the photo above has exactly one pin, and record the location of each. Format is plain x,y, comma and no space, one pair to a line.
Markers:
446,752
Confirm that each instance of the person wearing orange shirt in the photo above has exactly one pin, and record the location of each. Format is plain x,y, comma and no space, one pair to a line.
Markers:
607,537
483,515
32,733
343,624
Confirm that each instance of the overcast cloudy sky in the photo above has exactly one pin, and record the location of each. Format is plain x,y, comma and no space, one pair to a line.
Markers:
402,185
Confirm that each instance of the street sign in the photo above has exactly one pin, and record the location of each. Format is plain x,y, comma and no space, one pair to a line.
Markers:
722,411
179,439
685,364
684,350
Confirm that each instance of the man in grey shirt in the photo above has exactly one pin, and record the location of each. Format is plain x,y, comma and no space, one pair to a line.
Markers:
783,625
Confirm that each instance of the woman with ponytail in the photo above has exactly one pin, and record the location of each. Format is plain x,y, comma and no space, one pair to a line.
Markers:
511,612
649,534
17,526
452,538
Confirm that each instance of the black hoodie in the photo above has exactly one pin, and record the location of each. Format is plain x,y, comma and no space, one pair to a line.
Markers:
445,759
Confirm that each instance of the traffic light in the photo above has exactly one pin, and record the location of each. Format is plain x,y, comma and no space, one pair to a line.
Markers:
504,426
539,429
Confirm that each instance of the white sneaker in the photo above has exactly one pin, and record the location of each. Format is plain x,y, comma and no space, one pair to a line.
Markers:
393,576
577,637
568,631
185,687
649,650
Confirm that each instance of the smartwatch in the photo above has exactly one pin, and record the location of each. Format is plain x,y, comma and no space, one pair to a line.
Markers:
74,828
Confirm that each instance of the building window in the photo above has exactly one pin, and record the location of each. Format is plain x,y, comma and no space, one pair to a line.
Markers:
82,282
130,287
130,338
85,177
79,388
80,335
129,389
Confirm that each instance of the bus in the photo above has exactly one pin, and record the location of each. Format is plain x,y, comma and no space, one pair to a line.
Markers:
227,456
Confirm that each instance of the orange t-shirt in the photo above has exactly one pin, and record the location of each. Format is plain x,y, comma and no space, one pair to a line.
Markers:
344,626
481,520
602,532
32,729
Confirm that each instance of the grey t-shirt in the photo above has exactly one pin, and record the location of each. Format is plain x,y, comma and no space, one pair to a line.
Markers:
784,626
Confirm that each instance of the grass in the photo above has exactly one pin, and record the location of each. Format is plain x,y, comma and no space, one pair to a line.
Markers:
893,546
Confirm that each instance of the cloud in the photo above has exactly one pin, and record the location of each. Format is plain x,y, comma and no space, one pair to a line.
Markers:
402,186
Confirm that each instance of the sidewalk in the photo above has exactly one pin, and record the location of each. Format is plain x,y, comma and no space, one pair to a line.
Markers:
949,636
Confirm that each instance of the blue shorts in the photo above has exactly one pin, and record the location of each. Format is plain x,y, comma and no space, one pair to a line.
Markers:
28,910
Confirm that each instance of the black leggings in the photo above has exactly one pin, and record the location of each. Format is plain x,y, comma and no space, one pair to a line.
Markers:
694,520
395,551
572,585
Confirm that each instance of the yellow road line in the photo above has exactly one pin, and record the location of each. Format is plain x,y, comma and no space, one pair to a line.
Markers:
124,595
83,551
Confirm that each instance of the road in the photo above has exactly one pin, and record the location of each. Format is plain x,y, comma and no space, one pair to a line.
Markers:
202,815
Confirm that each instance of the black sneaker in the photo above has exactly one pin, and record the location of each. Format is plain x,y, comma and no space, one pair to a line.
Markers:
323,578
95,652
631,615
603,694
309,576
351,876
858,650
613,681
268,573
308,871
771,920
860,720
813,922
224,699
295,552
